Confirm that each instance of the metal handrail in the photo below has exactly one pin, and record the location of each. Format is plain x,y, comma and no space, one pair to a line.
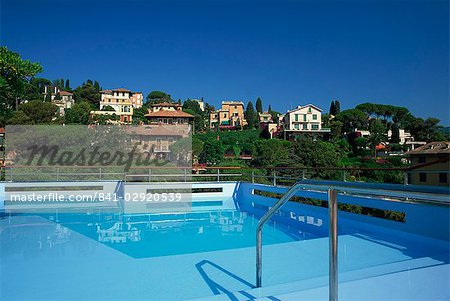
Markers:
286,197
332,193
332,208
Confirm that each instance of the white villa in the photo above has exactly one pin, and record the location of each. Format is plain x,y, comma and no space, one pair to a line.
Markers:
304,119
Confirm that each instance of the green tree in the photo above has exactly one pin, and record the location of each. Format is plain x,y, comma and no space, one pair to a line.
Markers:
271,152
395,134
79,113
108,108
377,134
89,93
39,111
387,111
67,86
359,146
200,118
157,97
97,86
336,129
14,75
212,153
19,117
250,115
352,119
48,96
259,106
31,92
337,105
333,108
317,154
197,147
139,115
192,105
199,123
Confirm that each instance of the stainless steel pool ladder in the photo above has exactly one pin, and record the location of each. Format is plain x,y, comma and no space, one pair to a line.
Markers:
332,209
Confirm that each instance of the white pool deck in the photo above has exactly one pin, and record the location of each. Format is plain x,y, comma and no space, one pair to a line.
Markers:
84,269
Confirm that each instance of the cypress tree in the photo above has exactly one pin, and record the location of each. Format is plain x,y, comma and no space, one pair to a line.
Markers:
333,108
259,106
395,133
337,106
67,87
97,86
249,115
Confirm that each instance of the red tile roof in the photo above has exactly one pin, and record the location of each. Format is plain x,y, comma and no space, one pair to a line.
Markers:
65,93
166,104
2,130
158,130
165,113
122,90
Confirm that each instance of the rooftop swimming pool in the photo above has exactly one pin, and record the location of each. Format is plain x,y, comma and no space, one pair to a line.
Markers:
209,252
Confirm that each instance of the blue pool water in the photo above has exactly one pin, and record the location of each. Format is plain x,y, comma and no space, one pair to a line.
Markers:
153,235
111,256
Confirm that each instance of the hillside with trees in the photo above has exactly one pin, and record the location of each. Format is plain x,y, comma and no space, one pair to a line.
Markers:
22,102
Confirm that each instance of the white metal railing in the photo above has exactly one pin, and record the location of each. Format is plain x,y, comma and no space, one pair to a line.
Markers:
178,174
332,196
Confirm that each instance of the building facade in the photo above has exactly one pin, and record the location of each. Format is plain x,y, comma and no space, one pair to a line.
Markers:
265,117
168,113
430,164
229,116
62,99
156,139
137,99
120,102
304,119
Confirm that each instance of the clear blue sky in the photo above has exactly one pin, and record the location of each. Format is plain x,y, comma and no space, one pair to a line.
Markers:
286,52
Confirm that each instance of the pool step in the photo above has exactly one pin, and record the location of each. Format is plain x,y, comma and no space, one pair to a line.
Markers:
406,276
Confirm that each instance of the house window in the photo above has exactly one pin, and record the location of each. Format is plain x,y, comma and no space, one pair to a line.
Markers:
314,116
315,126
296,117
305,126
304,117
422,177
443,177
309,110
422,159
296,126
